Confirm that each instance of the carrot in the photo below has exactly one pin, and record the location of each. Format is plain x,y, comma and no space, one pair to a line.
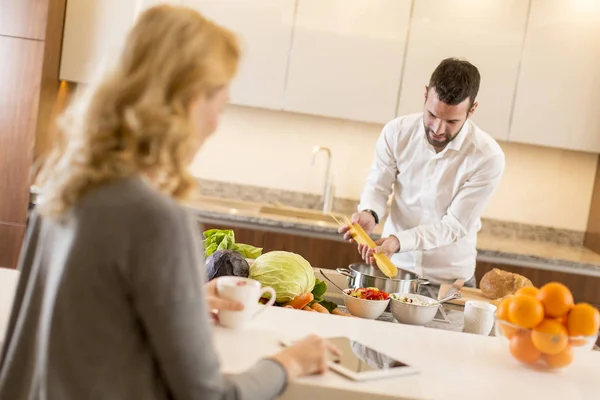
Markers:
300,301
337,311
307,308
319,308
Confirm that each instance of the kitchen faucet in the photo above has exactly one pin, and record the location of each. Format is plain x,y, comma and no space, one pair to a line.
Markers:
328,190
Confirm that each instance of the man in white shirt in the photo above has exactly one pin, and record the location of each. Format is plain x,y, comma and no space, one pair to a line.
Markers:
442,170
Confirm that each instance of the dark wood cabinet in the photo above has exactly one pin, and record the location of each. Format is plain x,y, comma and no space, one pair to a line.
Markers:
321,253
30,42
20,81
333,254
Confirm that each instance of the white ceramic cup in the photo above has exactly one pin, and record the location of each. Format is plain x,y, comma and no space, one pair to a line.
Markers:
479,317
246,291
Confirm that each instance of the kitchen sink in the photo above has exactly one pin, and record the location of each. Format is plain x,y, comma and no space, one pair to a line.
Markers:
232,206
300,213
247,207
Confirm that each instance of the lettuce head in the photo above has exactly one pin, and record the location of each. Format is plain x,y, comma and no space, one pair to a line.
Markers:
288,273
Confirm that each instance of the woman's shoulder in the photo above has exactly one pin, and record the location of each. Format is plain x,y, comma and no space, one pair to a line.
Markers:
131,200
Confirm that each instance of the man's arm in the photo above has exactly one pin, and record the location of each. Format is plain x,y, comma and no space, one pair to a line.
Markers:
465,209
382,173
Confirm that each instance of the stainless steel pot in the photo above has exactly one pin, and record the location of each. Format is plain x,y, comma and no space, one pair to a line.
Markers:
364,275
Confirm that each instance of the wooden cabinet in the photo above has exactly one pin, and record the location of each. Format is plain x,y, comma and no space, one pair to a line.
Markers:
557,98
488,33
264,28
93,35
346,58
20,81
320,253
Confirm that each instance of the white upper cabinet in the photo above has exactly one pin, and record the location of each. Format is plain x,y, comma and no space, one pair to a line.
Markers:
488,33
264,28
93,34
346,58
557,102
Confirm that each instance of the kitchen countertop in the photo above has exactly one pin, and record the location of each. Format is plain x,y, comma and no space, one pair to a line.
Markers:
452,364
491,247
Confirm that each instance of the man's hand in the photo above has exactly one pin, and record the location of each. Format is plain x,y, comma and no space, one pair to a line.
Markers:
364,219
387,246
216,303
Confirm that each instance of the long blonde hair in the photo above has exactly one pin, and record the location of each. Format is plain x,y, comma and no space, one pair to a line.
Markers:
136,119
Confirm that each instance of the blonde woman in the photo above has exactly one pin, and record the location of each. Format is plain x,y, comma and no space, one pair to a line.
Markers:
111,303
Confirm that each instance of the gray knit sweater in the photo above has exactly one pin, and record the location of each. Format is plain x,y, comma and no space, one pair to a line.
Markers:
110,305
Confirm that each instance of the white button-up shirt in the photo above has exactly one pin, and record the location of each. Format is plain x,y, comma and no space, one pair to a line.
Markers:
438,198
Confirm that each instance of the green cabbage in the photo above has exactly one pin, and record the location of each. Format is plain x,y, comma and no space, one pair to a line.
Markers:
288,273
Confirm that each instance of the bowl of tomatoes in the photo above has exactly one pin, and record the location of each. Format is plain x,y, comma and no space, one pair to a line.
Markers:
368,303
544,328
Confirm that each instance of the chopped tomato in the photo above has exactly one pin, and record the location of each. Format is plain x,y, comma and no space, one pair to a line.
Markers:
369,294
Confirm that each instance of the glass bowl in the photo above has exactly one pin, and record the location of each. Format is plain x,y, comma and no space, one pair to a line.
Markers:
542,350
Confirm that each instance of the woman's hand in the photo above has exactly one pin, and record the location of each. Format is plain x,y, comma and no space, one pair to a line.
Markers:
216,303
306,357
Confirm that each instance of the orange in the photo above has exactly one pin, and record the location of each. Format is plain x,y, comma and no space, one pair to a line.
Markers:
562,320
583,320
556,298
522,348
502,313
525,311
529,290
561,359
550,337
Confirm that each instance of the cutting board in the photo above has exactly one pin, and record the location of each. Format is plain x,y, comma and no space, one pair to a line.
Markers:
467,294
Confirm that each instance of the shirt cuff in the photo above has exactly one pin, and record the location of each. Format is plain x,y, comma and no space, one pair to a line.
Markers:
407,239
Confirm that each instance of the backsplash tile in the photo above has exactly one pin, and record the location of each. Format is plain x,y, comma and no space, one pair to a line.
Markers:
510,230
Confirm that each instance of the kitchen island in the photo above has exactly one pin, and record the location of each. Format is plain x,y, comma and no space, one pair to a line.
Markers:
452,364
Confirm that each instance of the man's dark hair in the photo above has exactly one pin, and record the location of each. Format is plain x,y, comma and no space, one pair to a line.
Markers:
454,80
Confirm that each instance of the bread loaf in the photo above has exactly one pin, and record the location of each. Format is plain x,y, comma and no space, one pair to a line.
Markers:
498,283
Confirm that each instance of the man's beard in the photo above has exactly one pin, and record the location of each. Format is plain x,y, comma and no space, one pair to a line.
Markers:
441,143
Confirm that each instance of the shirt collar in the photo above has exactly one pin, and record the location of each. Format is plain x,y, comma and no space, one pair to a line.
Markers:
460,138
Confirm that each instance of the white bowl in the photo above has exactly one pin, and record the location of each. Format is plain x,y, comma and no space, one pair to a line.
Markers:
368,309
413,314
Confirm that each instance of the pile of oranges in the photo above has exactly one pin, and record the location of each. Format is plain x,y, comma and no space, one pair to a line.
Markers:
545,324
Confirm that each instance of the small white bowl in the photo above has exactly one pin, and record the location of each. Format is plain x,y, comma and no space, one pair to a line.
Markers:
368,309
413,314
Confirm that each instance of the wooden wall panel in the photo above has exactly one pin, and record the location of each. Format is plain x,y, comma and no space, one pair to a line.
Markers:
23,18
11,237
19,95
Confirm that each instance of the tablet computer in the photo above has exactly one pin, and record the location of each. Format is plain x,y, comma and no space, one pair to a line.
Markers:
360,362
